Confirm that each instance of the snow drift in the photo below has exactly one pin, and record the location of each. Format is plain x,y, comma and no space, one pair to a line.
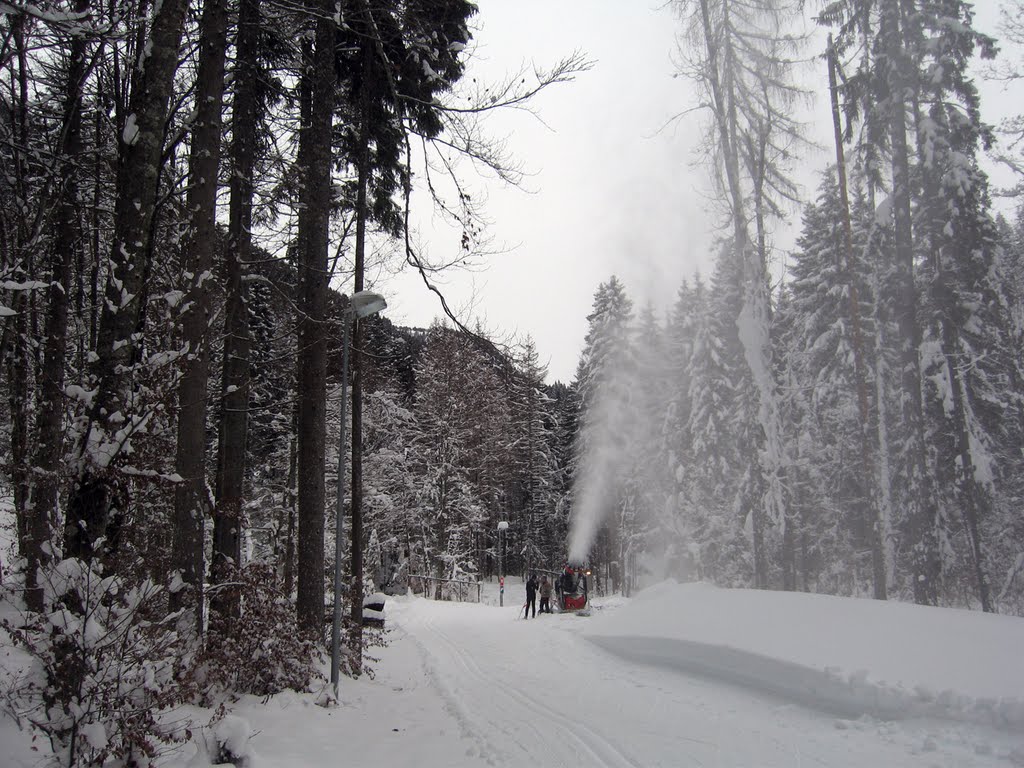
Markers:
851,657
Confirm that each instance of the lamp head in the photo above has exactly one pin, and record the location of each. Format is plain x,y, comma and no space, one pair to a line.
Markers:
363,303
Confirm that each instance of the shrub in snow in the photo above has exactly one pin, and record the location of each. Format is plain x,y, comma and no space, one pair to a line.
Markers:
225,741
232,734
259,651
105,661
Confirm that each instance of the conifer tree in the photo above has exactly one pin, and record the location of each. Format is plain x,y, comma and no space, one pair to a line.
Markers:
532,452
822,405
604,377
720,495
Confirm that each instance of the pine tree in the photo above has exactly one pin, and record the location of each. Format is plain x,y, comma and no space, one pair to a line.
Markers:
604,380
967,318
648,476
315,163
674,518
532,450
919,106
822,400
453,510
717,499
39,509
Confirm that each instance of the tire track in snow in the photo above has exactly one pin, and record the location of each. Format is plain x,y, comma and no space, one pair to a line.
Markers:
587,747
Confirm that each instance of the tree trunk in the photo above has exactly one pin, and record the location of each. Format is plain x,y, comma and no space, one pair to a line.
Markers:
973,499
358,336
96,503
16,329
921,511
290,502
191,499
67,250
233,434
755,315
879,525
314,216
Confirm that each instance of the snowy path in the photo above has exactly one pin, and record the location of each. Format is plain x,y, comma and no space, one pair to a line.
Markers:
535,693
470,686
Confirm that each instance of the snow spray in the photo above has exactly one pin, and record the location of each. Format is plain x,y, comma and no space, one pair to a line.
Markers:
607,430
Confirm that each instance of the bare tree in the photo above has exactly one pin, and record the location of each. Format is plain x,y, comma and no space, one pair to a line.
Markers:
735,51
191,497
65,252
315,161
97,501
232,434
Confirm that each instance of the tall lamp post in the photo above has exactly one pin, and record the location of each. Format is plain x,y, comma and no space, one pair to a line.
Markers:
360,304
502,527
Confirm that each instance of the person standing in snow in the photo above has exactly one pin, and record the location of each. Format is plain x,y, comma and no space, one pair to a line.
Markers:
531,597
545,595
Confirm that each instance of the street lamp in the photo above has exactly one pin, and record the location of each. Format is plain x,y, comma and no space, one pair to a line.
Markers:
502,527
360,304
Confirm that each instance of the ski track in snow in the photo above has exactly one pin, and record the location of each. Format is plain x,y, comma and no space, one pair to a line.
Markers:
537,693
566,741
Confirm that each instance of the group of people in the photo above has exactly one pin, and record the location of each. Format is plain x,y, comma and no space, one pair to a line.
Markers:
532,587
568,584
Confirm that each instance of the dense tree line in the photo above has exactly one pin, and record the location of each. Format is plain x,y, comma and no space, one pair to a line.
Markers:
870,406
692,457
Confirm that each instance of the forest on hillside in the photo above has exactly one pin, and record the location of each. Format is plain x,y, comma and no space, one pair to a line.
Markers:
194,190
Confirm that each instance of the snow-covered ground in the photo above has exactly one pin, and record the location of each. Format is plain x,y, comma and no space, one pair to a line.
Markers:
680,675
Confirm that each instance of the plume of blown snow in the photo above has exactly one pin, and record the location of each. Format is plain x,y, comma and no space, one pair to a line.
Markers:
606,434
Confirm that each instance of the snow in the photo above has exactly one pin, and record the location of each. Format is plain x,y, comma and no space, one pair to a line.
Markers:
233,733
131,130
96,735
854,656
679,675
883,213
76,392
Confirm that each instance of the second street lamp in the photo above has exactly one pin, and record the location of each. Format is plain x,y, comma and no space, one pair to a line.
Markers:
502,527
360,304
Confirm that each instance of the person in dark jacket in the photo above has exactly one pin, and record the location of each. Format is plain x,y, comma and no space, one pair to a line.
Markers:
545,595
531,597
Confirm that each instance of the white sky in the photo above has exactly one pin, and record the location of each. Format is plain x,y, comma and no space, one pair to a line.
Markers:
610,192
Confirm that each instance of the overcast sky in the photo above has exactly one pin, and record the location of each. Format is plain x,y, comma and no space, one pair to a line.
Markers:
611,191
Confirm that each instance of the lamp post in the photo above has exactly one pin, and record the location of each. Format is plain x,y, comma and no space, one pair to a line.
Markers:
502,527
360,304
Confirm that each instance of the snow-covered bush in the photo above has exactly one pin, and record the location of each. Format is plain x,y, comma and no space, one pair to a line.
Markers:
225,741
261,650
105,661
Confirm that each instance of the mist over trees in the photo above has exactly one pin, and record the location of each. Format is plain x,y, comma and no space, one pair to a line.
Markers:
193,190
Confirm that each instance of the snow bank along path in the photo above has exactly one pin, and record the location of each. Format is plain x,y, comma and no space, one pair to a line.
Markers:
851,657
